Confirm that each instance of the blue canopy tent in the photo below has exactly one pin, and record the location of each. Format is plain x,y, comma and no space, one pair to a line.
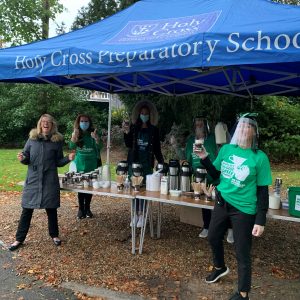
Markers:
173,47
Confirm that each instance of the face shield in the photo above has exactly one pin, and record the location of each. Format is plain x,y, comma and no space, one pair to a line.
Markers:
245,134
201,127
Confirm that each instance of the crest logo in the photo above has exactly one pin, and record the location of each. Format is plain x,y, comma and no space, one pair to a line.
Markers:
139,30
147,31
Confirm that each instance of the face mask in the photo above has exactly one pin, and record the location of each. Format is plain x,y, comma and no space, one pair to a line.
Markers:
144,118
84,125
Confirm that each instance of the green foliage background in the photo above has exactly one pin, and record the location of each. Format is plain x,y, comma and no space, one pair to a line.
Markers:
22,104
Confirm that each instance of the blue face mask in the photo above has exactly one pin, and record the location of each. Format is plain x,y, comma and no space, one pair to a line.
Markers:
84,125
144,118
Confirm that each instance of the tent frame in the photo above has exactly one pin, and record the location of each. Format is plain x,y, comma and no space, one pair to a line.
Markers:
236,83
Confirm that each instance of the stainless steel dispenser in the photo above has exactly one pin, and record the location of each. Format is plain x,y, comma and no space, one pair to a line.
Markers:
174,169
200,175
163,169
185,177
137,169
122,167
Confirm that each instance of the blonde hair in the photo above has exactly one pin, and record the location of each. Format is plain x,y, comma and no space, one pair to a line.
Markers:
51,119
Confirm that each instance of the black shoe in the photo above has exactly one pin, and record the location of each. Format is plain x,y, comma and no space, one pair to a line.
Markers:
57,242
89,214
238,296
216,275
15,247
81,214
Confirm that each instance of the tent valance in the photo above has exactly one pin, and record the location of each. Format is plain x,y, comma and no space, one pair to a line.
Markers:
172,47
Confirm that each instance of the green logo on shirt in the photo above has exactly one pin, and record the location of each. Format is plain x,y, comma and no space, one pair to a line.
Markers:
235,170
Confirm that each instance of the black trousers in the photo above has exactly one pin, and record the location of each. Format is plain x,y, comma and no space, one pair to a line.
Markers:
139,205
25,221
242,225
206,217
84,201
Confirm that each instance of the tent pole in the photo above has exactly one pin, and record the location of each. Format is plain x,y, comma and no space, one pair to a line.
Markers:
108,129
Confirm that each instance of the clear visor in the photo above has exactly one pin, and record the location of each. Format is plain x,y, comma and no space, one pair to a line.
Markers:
201,127
245,134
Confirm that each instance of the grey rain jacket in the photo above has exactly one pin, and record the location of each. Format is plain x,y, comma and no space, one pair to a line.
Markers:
43,156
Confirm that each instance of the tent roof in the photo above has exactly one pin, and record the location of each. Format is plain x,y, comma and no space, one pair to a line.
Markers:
173,47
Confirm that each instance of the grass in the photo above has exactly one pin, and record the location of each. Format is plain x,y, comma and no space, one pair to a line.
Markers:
12,171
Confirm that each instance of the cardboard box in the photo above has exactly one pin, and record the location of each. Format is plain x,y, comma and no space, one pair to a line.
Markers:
191,215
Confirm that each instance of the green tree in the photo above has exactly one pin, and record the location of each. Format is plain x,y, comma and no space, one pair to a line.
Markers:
293,2
279,121
24,21
96,10
23,104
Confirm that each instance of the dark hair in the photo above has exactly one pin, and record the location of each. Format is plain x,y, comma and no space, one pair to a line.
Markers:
79,143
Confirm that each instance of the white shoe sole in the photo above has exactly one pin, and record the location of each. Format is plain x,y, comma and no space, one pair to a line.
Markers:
203,235
218,277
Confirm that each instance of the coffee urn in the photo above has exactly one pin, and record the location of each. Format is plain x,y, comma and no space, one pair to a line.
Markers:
137,169
163,169
200,175
174,169
122,167
185,177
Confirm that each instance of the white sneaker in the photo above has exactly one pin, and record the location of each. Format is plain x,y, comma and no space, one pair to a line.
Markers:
204,233
140,222
135,222
230,238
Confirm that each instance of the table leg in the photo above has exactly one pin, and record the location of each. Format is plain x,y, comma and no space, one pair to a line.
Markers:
143,229
133,222
151,219
158,229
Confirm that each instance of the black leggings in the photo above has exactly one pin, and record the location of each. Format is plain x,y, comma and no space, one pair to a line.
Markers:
84,201
242,225
206,217
25,221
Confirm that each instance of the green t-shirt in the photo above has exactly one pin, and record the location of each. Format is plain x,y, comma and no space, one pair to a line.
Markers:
87,156
242,170
194,160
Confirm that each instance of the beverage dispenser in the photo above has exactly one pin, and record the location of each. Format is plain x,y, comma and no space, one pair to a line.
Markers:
185,177
174,168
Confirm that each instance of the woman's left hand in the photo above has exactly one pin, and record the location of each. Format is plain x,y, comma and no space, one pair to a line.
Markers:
202,153
95,136
258,230
71,156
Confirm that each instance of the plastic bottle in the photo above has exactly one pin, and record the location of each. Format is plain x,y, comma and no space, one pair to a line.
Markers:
164,188
127,184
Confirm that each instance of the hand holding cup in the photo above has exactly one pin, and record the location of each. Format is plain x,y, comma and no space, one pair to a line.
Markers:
199,149
20,156
125,126
75,135
71,156
95,136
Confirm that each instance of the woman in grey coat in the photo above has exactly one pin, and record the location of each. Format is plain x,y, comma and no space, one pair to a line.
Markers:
43,153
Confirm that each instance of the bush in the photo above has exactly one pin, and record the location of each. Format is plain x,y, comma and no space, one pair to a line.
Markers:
279,121
118,115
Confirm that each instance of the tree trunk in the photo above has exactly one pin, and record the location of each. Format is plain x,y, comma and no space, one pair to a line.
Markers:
45,20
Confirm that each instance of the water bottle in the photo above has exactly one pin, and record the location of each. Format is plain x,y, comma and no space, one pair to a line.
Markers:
127,184
278,184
